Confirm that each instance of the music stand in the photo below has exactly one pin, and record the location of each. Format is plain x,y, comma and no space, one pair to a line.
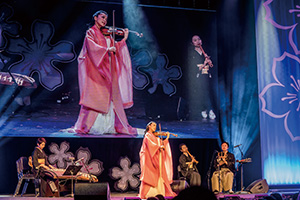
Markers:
72,170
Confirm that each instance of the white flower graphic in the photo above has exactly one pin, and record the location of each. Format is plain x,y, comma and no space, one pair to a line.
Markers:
60,155
127,174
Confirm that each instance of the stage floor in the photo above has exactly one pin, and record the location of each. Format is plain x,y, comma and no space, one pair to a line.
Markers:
114,196
51,119
131,196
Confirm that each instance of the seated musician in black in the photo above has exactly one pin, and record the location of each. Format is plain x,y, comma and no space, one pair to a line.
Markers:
40,167
188,167
224,164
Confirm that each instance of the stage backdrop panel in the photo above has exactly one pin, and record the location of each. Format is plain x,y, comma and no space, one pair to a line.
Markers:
277,45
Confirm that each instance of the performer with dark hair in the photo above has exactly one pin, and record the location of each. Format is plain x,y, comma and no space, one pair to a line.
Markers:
200,88
105,82
156,164
39,157
188,168
40,166
222,179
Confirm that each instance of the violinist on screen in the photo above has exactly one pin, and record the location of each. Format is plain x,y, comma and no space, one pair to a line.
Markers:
156,164
105,82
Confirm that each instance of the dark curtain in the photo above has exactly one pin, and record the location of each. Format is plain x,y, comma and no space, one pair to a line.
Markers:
239,121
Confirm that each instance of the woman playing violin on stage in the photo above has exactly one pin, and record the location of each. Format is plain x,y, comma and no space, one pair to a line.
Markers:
105,82
156,164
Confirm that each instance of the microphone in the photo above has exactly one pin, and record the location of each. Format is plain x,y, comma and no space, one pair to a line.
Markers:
237,145
77,161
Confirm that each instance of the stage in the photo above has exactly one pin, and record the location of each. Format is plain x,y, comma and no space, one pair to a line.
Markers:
285,195
51,119
112,160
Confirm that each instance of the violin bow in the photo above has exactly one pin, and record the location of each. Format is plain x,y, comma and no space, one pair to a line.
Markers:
114,34
160,134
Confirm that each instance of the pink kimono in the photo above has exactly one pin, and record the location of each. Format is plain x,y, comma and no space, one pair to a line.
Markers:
150,169
102,83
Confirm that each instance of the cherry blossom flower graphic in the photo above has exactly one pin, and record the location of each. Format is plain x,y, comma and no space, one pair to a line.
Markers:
164,74
126,175
286,89
289,21
94,167
60,155
139,60
40,56
6,26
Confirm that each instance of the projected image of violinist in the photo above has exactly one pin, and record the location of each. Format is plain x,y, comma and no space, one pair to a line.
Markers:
156,164
105,82
200,82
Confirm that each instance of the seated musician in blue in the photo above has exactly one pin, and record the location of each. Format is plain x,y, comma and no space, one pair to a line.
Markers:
188,167
40,167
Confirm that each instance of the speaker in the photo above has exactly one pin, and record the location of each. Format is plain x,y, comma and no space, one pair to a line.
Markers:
179,185
91,191
258,186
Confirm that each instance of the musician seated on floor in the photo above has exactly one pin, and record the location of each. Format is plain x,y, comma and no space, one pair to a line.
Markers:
188,168
222,179
48,187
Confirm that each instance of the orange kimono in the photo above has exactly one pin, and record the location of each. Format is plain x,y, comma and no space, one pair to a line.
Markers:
156,167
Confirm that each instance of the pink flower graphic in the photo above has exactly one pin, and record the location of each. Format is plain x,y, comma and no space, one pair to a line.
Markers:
286,89
285,17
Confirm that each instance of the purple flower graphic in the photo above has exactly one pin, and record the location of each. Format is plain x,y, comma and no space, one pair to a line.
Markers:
139,78
286,18
6,26
285,89
164,74
39,55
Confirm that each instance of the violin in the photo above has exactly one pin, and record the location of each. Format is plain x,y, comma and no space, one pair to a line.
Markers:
163,134
108,30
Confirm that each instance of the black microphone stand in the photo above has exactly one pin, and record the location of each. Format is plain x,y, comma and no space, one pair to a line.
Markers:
219,170
242,156
89,173
209,170
242,179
